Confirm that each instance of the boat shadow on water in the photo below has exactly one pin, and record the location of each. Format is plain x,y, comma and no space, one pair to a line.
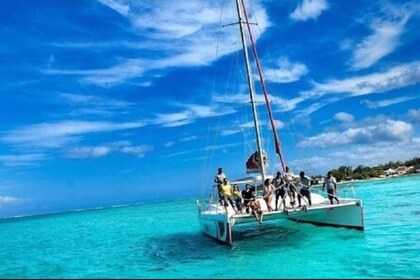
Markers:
163,253
201,246
166,252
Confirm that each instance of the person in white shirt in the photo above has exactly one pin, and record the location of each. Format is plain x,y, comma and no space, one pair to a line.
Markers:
331,184
305,182
218,179
290,180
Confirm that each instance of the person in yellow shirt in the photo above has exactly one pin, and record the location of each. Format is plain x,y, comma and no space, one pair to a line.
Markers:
226,193
237,197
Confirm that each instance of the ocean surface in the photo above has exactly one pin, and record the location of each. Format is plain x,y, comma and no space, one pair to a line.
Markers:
163,240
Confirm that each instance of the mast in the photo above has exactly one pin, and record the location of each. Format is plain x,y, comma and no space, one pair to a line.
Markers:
264,88
251,89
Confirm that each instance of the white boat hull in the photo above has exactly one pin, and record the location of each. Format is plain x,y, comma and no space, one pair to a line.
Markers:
217,226
348,214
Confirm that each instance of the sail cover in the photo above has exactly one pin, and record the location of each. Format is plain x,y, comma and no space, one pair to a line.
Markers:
254,163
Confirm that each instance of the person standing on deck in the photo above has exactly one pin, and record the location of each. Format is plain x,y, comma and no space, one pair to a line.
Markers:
331,183
305,182
268,193
279,187
290,179
227,194
218,179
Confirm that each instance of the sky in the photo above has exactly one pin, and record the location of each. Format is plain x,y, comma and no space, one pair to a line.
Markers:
115,102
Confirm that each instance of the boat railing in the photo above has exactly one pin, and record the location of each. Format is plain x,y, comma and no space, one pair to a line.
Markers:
347,190
213,202
343,190
214,195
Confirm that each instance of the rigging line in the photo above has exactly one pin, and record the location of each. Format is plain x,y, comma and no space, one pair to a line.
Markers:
207,161
292,132
226,90
267,99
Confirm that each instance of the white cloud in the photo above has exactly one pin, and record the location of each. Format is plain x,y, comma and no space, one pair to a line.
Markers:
177,154
80,104
57,134
385,38
189,114
9,200
220,147
366,132
278,124
188,138
236,128
138,151
187,39
23,159
286,72
396,77
93,101
117,6
89,152
393,78
120,72
387,102
51,60
306,111
169,144
414,114
309,9
174,119
343,117
103,150
243,98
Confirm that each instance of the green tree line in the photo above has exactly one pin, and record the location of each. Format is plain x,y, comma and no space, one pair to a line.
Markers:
365,172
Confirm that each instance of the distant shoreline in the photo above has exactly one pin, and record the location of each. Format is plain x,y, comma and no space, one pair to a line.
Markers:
373,179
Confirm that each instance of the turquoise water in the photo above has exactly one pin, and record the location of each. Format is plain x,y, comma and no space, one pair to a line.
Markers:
163,240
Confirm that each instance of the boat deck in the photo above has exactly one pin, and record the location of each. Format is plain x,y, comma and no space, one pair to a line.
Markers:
289,210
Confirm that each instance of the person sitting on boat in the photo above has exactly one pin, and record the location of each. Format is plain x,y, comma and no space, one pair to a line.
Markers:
248,194
218,179
268,193
237,197
279,186
331,183
290,180
226,192
305,183
256,209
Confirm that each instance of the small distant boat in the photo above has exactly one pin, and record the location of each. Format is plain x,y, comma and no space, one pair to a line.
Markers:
220,222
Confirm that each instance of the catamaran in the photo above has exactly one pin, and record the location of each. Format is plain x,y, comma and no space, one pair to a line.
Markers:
219,221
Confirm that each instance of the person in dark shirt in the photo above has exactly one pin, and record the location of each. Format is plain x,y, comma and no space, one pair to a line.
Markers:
279,186
248,194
